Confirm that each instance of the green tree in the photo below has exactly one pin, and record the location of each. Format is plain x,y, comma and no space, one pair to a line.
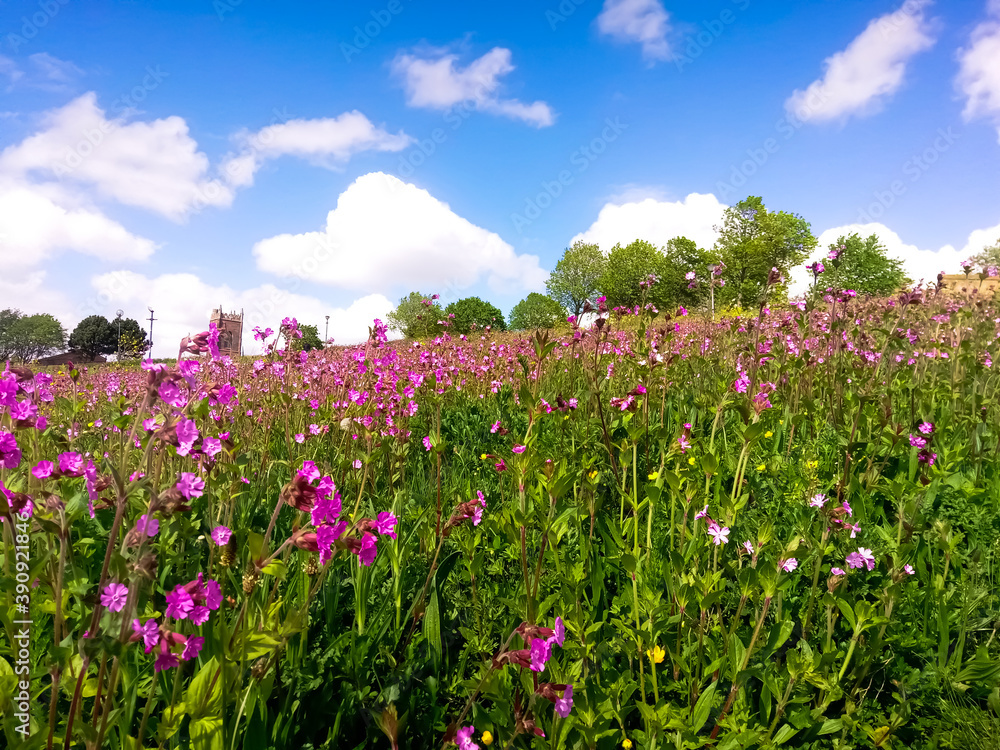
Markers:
416,316
310,338
577,276
132,342
536,311
862,265
29,337
473,313
94,335
683,256
752,241
629,266
988,256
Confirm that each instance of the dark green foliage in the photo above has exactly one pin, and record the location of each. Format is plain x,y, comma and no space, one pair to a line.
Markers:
577,276
536,311
862,265
417,316
471,313
29,337
94,336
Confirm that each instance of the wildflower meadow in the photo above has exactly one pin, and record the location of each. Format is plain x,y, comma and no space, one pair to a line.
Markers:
655,530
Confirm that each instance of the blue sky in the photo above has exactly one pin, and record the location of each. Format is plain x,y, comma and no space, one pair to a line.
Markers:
467,143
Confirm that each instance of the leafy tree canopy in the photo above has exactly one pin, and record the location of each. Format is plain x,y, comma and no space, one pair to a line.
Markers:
629,266
862,265
682,257
472,313
417,316
577,276
988,256
94,336
310,338
752,241
536,311
29,337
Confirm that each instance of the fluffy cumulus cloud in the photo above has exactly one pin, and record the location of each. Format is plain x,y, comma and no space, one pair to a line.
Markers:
644,22
388,235
327,142
436,80
919,263
183,303
979,75
33,227
154,165
859,79
657,221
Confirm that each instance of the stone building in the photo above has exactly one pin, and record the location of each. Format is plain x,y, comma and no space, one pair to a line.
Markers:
960,284
230,327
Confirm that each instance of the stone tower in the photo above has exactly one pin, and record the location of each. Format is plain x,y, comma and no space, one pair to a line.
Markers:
230,327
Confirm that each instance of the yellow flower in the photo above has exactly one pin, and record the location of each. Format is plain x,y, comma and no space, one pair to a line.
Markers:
593,475
483,457
813,464
627,743
657,654
691,460
768,434
654,475
761,467
487,738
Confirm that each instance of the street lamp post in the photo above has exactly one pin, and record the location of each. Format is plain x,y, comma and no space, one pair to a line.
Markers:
326,334
118,317
151,319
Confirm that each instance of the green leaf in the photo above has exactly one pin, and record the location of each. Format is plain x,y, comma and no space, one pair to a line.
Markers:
784,734
432,622
204,694
702,708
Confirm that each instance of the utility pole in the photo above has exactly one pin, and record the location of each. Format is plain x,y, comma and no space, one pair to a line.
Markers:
151,319
118,357
326,335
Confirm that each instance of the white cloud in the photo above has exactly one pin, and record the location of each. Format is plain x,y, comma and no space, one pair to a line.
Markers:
859,79
328,142
27,292
919,263
656,221
33,227
979,76
645,22
183,304
154,165
437,82
388,235
44,71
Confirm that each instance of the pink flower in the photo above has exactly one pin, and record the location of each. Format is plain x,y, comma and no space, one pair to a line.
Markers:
211,446
171,394
179,603
500,465
190,485
908,569
193,647
115,596
187,434
558,632
148,526
720,534
817,501
565,704
309,472
427,442
366,555
495,426
541,650
684,443
519,448
838,571
357,463
43,470
299,438
925,428
862,558
742,383
71,464
149,633
221,535
164,660
748,547
213,594
917,442
386,524
789,565
463,738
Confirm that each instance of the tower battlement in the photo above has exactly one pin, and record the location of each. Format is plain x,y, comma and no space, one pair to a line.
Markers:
230,327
